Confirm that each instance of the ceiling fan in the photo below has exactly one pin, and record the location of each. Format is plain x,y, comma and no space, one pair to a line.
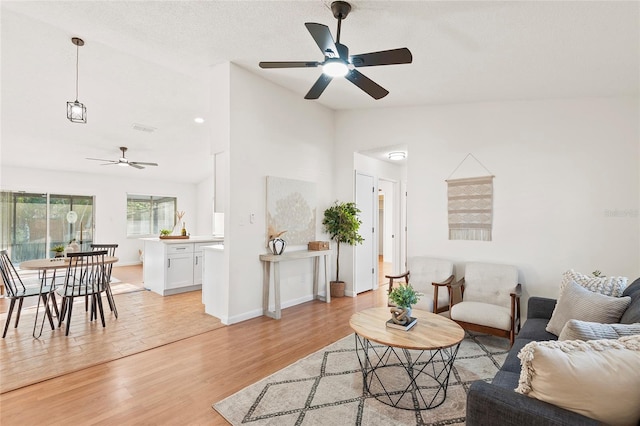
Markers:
123,161
338,63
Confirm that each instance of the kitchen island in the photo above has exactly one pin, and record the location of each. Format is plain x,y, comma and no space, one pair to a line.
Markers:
174,266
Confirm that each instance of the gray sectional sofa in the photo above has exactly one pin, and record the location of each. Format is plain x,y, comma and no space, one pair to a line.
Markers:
497,403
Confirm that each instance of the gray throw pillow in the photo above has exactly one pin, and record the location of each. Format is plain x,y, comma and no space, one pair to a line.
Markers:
632,314
576,302
584,330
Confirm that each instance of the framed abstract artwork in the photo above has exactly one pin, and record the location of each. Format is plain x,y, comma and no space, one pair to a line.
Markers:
291,207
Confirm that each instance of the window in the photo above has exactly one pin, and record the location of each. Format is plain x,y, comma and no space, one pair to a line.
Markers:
148,214
33,223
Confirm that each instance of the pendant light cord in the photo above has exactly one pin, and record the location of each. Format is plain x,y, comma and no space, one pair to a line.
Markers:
77,60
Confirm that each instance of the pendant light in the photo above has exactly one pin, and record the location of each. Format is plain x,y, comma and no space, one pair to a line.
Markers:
77,112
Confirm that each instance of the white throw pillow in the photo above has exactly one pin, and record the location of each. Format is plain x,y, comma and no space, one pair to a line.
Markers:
584,330
609,286
576,302
598,379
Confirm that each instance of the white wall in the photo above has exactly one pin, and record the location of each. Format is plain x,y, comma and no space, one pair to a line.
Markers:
110,200
273,132
567,192
204,197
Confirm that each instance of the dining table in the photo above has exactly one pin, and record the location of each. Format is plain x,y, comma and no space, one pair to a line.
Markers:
48,271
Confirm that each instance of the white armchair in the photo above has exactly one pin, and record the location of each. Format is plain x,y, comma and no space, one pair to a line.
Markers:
490,300
426,276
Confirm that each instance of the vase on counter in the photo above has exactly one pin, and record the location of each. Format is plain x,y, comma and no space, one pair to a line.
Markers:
277,245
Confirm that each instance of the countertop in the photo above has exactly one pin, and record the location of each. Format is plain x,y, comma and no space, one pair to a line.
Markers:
191,239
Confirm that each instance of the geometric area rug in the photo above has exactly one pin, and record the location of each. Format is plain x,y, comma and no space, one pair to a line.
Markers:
326,388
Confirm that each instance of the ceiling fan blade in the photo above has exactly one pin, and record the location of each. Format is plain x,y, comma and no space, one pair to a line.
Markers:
135,165
112,163
298,64
321,83
101,159
143,163
384,57
323,39
372,88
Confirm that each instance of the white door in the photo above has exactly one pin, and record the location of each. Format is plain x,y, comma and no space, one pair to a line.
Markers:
365,253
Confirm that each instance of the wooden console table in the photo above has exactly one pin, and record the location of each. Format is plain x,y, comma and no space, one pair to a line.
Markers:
268,259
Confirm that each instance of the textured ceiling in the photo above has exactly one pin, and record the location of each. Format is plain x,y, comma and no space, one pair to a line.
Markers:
146,62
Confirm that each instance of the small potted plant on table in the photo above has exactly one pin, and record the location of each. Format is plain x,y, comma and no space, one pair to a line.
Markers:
404,297
59,250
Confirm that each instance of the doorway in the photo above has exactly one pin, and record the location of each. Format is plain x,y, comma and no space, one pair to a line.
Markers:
389,235
380,214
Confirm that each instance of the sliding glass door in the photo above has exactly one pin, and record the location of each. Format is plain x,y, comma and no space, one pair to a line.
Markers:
33,223
24,225
70,218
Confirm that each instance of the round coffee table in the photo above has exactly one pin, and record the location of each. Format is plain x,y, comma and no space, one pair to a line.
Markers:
406,369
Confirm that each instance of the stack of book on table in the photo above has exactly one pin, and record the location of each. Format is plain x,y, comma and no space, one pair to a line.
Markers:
404,327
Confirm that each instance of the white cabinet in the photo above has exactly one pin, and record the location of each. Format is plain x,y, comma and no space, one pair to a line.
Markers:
179,266
198,262
174,266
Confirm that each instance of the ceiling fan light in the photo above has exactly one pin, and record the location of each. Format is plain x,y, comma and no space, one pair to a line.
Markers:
76,112
397,155
335,68
122,163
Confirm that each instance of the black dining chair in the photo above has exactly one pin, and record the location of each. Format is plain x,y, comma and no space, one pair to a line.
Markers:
85,277
111,251
18,291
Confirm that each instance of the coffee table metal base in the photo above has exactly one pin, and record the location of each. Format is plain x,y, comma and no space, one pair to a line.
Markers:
402,378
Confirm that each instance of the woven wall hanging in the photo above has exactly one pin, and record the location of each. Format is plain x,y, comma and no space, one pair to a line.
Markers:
470,206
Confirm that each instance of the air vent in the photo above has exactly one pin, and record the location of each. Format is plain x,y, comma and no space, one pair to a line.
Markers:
143,128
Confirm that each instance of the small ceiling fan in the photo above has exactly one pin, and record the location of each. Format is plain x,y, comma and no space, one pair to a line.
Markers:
123,161
338,63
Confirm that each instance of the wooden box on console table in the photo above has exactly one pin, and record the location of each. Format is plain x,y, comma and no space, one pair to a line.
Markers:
318,245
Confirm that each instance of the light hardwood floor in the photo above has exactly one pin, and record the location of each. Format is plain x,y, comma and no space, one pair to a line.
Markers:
176,384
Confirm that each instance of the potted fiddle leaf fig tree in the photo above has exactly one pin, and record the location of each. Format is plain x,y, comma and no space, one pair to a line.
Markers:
342,224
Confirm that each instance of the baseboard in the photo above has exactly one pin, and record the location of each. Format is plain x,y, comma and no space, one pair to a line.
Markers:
242,317
258,312
126,264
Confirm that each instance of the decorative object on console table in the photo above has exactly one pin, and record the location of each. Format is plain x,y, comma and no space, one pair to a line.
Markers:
318,245
275,243
342,224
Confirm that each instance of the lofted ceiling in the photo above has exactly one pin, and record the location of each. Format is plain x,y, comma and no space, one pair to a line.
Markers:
145,64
